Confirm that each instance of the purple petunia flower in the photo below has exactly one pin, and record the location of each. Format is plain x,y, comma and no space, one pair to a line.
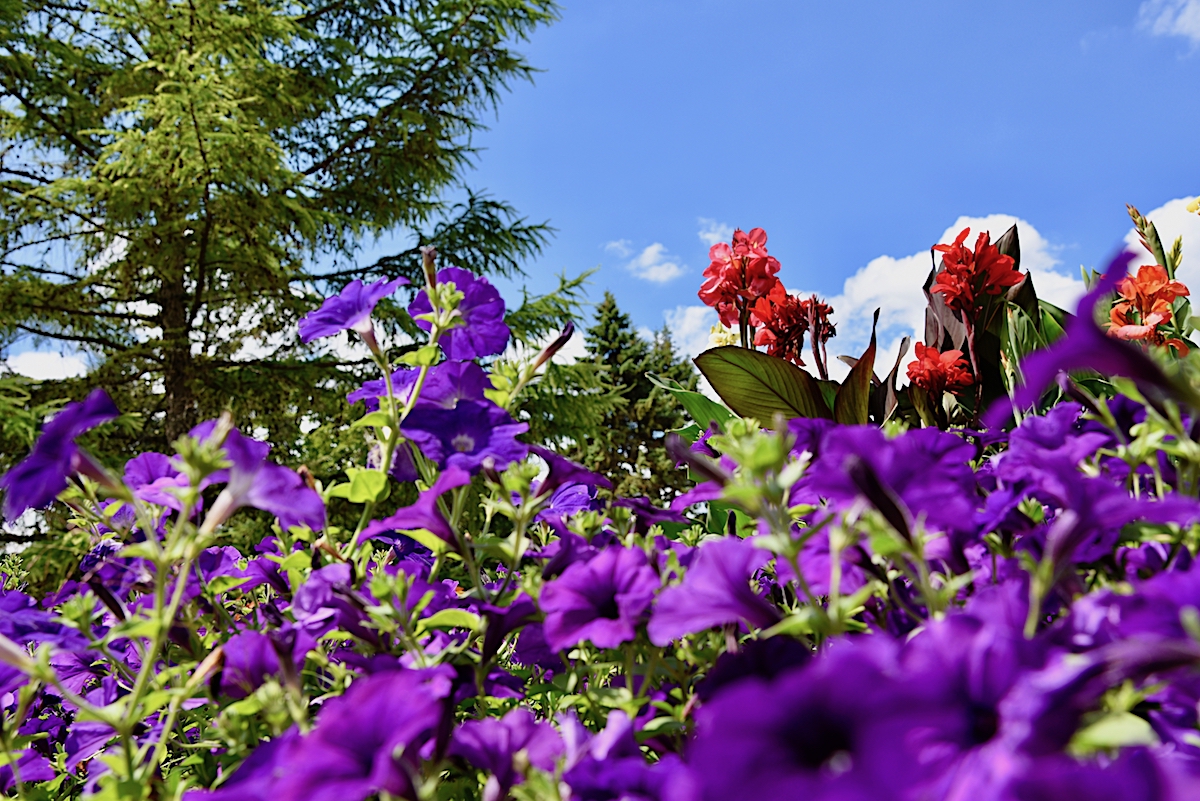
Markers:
365,742
445,385
563,472
424,514
715,590
927,470
467,435
154,479
484,332
491,744
609,766
836,729
602,600
255,482
350,309
36,481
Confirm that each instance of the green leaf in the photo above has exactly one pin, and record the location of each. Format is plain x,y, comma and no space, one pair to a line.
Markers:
702,409
222,584
852,404
449,619
366,485
1115,730
376,419
756,385
426,356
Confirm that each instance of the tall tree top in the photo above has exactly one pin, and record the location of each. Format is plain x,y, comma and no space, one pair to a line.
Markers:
180,179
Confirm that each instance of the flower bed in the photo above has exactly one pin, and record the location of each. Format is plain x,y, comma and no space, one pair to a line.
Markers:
976,586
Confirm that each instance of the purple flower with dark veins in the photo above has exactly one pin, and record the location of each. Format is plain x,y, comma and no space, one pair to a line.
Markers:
36,480
715,591
484,332
602,600
491,745
350,310
467,435
255,482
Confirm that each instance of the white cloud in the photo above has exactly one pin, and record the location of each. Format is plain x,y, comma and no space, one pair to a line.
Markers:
1171,18
42,366
689,327
711,232
1171,220
655,264
621,247
893,285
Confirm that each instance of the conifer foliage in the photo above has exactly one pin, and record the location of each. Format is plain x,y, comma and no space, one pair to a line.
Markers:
628,444
180,179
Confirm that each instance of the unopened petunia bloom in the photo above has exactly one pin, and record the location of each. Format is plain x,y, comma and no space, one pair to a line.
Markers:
1145,304
467,435
937,372
601,600
349,310
484,332
715,591
35,481
969,275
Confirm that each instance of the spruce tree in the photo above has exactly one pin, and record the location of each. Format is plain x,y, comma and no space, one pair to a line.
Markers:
180,180
628,444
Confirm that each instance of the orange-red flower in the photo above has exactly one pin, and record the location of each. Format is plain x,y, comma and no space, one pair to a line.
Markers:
970,274
738,275
784,319
1145,304
938,372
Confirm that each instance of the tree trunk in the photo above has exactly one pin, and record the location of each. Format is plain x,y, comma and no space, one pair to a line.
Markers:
177,362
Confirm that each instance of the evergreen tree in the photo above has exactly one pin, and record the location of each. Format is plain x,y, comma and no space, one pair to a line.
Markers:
180,180
628,444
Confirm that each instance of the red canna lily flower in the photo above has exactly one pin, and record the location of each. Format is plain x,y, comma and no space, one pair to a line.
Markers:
969,275
939,372
784,319
738,275
1146,302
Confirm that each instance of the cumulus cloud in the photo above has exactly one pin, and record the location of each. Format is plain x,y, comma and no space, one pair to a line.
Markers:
43,366
1171,18
689,327
656,265
621,247
711,232
893,285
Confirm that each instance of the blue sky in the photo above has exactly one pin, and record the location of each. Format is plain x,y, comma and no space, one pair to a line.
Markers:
847,130
857,133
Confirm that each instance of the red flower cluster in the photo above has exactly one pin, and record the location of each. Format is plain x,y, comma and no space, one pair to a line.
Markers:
739,274
937,372
785,319
1145,304
971,274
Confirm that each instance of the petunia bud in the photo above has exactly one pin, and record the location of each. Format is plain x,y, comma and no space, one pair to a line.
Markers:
428,264
554,347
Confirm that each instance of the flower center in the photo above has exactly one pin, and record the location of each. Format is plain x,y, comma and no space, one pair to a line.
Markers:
463,443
